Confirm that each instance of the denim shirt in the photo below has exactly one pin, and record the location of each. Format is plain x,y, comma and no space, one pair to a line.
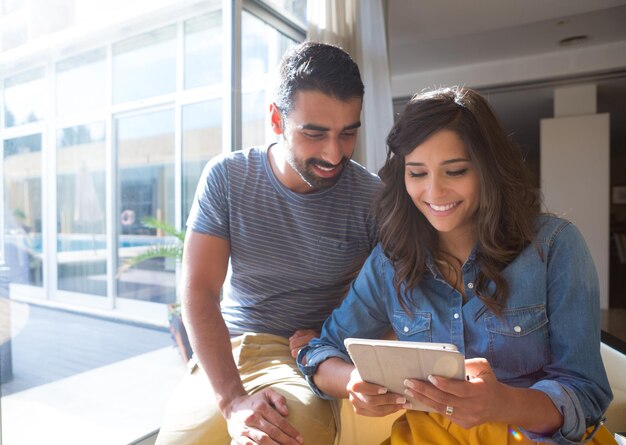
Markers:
547,337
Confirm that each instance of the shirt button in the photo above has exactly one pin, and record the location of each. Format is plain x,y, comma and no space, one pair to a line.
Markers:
470,285
456,315
406,329
517,329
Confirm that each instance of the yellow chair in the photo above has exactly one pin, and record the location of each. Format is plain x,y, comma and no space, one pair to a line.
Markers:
615,365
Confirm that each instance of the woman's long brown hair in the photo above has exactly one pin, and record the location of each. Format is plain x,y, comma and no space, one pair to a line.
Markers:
505,219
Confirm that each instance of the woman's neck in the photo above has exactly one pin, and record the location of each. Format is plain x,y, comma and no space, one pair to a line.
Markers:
459,245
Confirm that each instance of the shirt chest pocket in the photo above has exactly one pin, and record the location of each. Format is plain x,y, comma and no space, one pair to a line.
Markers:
519,340
333,258
413,327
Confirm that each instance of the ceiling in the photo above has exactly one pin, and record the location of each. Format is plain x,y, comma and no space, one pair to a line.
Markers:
433,34
428,35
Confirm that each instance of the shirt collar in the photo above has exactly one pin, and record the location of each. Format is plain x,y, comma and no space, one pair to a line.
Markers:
468,265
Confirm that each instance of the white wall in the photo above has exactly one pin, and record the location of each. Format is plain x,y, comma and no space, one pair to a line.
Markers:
575,154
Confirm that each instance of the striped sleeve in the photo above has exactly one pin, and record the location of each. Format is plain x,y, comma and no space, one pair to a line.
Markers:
209,213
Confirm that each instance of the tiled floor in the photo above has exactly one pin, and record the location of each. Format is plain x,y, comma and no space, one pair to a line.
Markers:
111,405
49,345
82,380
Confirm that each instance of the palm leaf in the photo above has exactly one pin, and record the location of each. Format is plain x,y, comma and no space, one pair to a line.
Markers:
154,223
174,250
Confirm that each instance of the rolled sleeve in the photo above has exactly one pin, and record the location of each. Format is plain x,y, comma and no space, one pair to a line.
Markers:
575,379
316,354
574,426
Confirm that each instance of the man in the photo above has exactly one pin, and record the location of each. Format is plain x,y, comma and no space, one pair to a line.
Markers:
282,229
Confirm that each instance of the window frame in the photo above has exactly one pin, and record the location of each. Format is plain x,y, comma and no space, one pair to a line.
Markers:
47,57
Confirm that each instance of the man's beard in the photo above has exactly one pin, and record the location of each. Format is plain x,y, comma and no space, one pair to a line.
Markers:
306,173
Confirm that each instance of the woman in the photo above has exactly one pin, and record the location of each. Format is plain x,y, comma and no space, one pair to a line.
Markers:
466,258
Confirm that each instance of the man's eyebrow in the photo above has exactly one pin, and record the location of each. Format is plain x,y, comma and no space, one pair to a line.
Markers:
314,127
447,161
352,126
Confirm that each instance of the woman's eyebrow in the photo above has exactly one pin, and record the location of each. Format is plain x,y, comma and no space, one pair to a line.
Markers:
448,161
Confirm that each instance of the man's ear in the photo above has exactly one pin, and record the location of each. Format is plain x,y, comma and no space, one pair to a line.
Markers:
276,119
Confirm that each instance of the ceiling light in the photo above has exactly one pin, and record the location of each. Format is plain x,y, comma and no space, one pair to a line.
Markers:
573,40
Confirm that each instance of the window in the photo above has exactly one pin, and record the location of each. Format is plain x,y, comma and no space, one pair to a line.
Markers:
203,50
262,49
81,83
81,209
24,98
23,246
9,6
145,65
145,145
113,125
202,140
13,35
13,24
294,8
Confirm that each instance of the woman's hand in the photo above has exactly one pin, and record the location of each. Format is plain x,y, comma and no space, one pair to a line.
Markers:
481,398
372,400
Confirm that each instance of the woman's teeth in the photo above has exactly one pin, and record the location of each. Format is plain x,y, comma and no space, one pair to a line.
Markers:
443,208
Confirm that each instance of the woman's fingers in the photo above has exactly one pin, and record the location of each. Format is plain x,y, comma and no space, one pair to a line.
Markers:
376,405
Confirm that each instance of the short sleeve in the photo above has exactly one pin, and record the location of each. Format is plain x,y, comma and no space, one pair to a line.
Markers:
209,212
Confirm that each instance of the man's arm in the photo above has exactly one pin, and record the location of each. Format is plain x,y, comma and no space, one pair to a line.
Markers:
205,262
204,267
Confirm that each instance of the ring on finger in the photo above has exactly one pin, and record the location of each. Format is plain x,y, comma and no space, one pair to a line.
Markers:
449,410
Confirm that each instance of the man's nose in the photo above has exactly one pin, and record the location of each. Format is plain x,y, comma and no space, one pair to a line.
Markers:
333,152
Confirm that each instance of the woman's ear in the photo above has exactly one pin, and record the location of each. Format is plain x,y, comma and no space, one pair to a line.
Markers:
276,119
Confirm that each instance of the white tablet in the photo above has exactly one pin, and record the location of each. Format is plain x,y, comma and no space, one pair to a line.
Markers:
389,362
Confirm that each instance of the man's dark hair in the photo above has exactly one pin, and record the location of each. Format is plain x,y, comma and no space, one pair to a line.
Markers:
313,66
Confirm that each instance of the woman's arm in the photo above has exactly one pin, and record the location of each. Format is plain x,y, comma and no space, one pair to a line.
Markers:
325,362
362,313
532,410
332,377
342,381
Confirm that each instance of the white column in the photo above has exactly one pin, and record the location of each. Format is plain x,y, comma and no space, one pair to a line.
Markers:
575,161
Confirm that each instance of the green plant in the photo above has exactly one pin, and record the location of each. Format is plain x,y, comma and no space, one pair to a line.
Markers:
171,250
19,214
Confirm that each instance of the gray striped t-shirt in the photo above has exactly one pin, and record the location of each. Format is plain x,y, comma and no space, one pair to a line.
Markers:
293,255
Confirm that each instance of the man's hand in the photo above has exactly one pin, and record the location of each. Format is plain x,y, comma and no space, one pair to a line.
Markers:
260,419
300,338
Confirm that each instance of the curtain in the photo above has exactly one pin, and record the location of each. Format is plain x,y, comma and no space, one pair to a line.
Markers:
359,28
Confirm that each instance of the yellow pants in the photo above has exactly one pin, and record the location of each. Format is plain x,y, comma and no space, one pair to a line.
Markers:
263,361
420,428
